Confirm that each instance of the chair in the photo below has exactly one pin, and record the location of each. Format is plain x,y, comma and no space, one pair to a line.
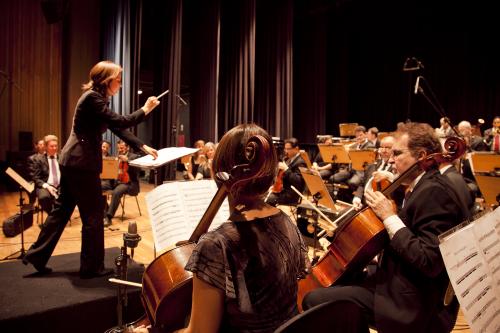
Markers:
122,203
326,318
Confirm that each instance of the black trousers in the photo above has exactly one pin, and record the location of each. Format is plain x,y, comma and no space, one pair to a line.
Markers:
78,188
358,316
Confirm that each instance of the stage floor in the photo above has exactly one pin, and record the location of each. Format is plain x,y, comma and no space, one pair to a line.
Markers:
61,301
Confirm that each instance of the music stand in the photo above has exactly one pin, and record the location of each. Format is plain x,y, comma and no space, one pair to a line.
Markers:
486,170
317,188
334,153
28,187
347,129
361,158
306,159
110,167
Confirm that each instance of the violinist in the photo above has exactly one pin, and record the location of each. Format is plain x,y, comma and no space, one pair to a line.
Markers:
290,170
245,271
404,292
127,182
376,172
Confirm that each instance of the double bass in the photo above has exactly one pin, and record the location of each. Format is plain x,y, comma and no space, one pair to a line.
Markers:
362,235
166,286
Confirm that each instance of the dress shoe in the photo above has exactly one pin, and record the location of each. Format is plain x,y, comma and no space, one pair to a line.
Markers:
41,269
99,273
107,222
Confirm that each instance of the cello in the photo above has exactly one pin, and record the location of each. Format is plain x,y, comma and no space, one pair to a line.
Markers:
361,235
166,286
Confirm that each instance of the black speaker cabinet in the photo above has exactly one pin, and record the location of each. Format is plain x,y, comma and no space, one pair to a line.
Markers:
13,226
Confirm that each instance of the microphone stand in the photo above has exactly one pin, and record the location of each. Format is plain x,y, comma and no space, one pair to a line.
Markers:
436,106
130,239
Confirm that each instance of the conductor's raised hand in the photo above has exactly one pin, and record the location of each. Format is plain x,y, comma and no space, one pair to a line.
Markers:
150,104
151,151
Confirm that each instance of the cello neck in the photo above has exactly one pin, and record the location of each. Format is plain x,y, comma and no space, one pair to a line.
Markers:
208,216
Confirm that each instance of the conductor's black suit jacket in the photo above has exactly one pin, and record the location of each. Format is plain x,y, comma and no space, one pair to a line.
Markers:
92,118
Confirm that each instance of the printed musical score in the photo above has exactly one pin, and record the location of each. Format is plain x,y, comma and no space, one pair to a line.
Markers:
471,253
175,209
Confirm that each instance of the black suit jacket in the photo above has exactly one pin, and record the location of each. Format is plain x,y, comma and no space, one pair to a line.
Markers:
457,182
92,118
39,169
292,175
412,279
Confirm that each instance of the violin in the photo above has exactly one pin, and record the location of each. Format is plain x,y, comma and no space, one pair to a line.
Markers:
123,176
166,286
362,235
278,183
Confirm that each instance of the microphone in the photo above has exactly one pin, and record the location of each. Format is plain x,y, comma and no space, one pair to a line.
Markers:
131,238
417,85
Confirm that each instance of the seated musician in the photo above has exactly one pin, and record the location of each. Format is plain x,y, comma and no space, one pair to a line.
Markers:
382,169
45,173
291,175
492,135
205,166
346,175
245,271
324,168
474,143
195,160
127,182
404,292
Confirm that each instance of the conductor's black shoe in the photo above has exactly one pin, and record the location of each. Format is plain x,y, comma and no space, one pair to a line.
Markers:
41,269
107,221
99,273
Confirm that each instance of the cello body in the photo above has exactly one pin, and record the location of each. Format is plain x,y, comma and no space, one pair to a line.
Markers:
167,289
356,241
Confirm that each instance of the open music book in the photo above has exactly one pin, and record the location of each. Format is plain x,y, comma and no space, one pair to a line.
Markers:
471,253
175,209
165,155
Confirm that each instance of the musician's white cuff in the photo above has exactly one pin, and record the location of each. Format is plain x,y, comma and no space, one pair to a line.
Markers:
45,185
356,201
392,224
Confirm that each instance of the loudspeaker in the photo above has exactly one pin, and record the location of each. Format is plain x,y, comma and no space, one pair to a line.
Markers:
54,10
12,226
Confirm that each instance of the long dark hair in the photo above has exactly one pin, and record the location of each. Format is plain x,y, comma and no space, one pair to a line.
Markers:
101,75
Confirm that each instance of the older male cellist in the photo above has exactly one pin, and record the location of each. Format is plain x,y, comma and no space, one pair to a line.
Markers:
405,291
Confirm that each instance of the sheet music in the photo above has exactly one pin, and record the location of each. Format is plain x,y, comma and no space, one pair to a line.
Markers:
165,155
29,187
472,258
176,208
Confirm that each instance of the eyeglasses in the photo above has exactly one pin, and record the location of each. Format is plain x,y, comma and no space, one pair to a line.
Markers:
397,152
384,148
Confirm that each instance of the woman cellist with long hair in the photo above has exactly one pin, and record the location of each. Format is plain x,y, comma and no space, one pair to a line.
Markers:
245,271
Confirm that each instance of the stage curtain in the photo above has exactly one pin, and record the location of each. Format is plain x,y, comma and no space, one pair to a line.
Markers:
203,29
121,24
274,67
237,64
